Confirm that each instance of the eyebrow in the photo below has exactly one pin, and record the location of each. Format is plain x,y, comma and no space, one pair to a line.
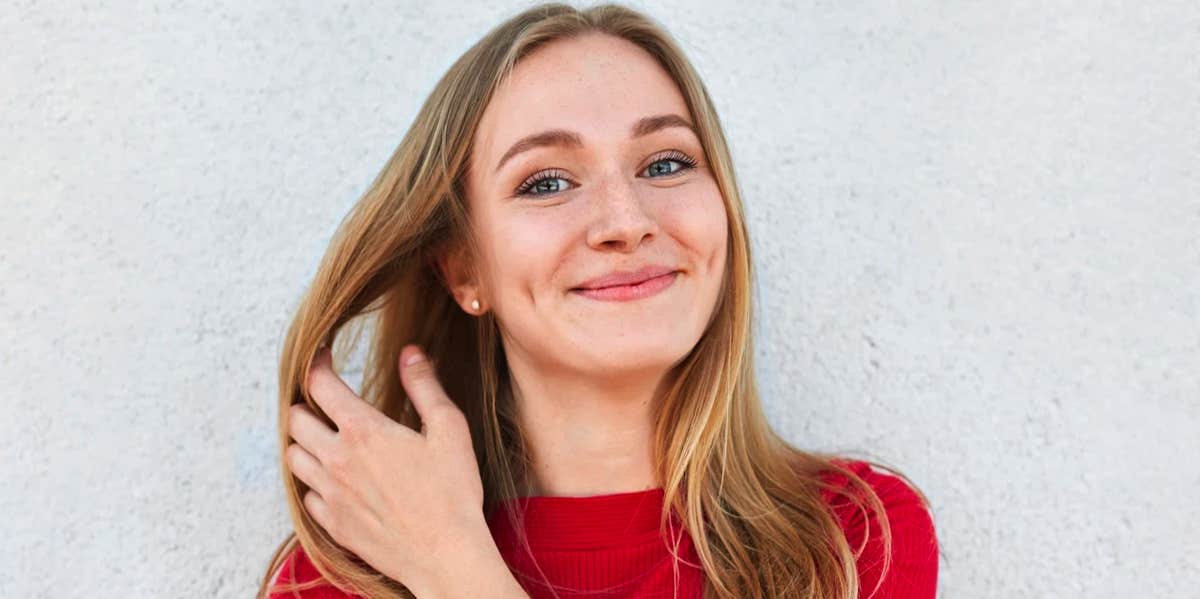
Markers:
562,137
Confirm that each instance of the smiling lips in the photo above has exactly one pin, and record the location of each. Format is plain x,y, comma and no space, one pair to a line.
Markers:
626,286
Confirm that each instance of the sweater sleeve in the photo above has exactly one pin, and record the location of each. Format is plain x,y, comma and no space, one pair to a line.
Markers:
299,568
913,571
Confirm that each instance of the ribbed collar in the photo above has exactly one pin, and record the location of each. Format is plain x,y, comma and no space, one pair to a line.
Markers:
590,522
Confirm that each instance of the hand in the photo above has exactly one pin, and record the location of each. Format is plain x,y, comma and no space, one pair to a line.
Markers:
404,501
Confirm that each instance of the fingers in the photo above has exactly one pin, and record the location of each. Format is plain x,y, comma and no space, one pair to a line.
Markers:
307,468
319,510
333,396
310,432
420,381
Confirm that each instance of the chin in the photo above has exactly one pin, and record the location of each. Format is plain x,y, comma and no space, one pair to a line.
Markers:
631,354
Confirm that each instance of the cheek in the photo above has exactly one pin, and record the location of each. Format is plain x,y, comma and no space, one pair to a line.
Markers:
526,245
697,219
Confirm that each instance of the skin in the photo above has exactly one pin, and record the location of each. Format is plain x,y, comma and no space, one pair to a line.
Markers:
585,371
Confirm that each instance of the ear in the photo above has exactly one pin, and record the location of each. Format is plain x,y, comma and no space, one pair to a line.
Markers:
459,276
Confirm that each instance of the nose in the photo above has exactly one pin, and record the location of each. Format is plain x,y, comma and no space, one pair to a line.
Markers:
620,221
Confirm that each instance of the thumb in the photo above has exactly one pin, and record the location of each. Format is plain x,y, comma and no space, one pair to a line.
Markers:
420,381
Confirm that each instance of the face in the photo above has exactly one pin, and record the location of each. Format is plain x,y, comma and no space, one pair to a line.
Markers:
632,193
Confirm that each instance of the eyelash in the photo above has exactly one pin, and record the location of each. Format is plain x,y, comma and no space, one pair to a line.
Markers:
527,186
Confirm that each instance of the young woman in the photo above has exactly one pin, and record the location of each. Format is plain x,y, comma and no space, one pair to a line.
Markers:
559,399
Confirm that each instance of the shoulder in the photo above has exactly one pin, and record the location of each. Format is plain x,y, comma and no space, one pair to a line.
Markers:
913,567
298,568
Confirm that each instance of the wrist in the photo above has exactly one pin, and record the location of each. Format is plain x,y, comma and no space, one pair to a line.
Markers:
470,568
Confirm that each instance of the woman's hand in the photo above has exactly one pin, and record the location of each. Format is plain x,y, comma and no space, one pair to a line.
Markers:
409,503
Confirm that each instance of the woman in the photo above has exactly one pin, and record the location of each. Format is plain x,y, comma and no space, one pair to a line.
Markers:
557,267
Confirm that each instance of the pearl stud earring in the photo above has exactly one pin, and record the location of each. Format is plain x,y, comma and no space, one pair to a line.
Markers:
475,305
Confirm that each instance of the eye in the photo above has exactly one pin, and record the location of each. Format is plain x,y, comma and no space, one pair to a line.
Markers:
533,186
537,179
673,156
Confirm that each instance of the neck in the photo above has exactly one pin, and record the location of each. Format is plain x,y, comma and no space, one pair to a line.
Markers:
586,435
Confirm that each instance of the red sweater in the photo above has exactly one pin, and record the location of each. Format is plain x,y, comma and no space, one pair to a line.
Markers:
608,546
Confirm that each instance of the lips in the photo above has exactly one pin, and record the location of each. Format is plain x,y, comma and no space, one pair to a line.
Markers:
625,293
627,277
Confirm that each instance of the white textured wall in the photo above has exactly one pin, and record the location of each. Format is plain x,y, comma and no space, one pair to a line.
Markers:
976,227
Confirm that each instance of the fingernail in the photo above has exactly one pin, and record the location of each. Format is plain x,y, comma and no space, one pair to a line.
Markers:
413,358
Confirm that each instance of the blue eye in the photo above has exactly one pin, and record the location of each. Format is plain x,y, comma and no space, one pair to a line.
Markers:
676,157
554,175
538,179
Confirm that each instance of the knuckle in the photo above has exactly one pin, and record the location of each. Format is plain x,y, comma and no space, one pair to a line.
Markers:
338,466
331,527
355,429
293,455
324,517
332,498
312,378
295,411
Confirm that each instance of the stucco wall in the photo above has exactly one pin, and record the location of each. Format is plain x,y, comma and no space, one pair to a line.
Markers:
975,224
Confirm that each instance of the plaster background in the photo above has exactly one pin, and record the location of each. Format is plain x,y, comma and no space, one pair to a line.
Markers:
975,227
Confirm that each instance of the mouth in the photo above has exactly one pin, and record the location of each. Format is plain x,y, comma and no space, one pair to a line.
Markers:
629,291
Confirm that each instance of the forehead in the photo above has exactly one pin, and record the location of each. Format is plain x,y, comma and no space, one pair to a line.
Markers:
595,84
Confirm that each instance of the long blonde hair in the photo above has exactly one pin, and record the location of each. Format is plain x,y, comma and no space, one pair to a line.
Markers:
750,501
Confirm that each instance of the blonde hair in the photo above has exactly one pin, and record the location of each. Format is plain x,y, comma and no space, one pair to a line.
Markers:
750,501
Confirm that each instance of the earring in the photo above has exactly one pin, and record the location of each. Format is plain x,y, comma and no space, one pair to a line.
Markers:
475,305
